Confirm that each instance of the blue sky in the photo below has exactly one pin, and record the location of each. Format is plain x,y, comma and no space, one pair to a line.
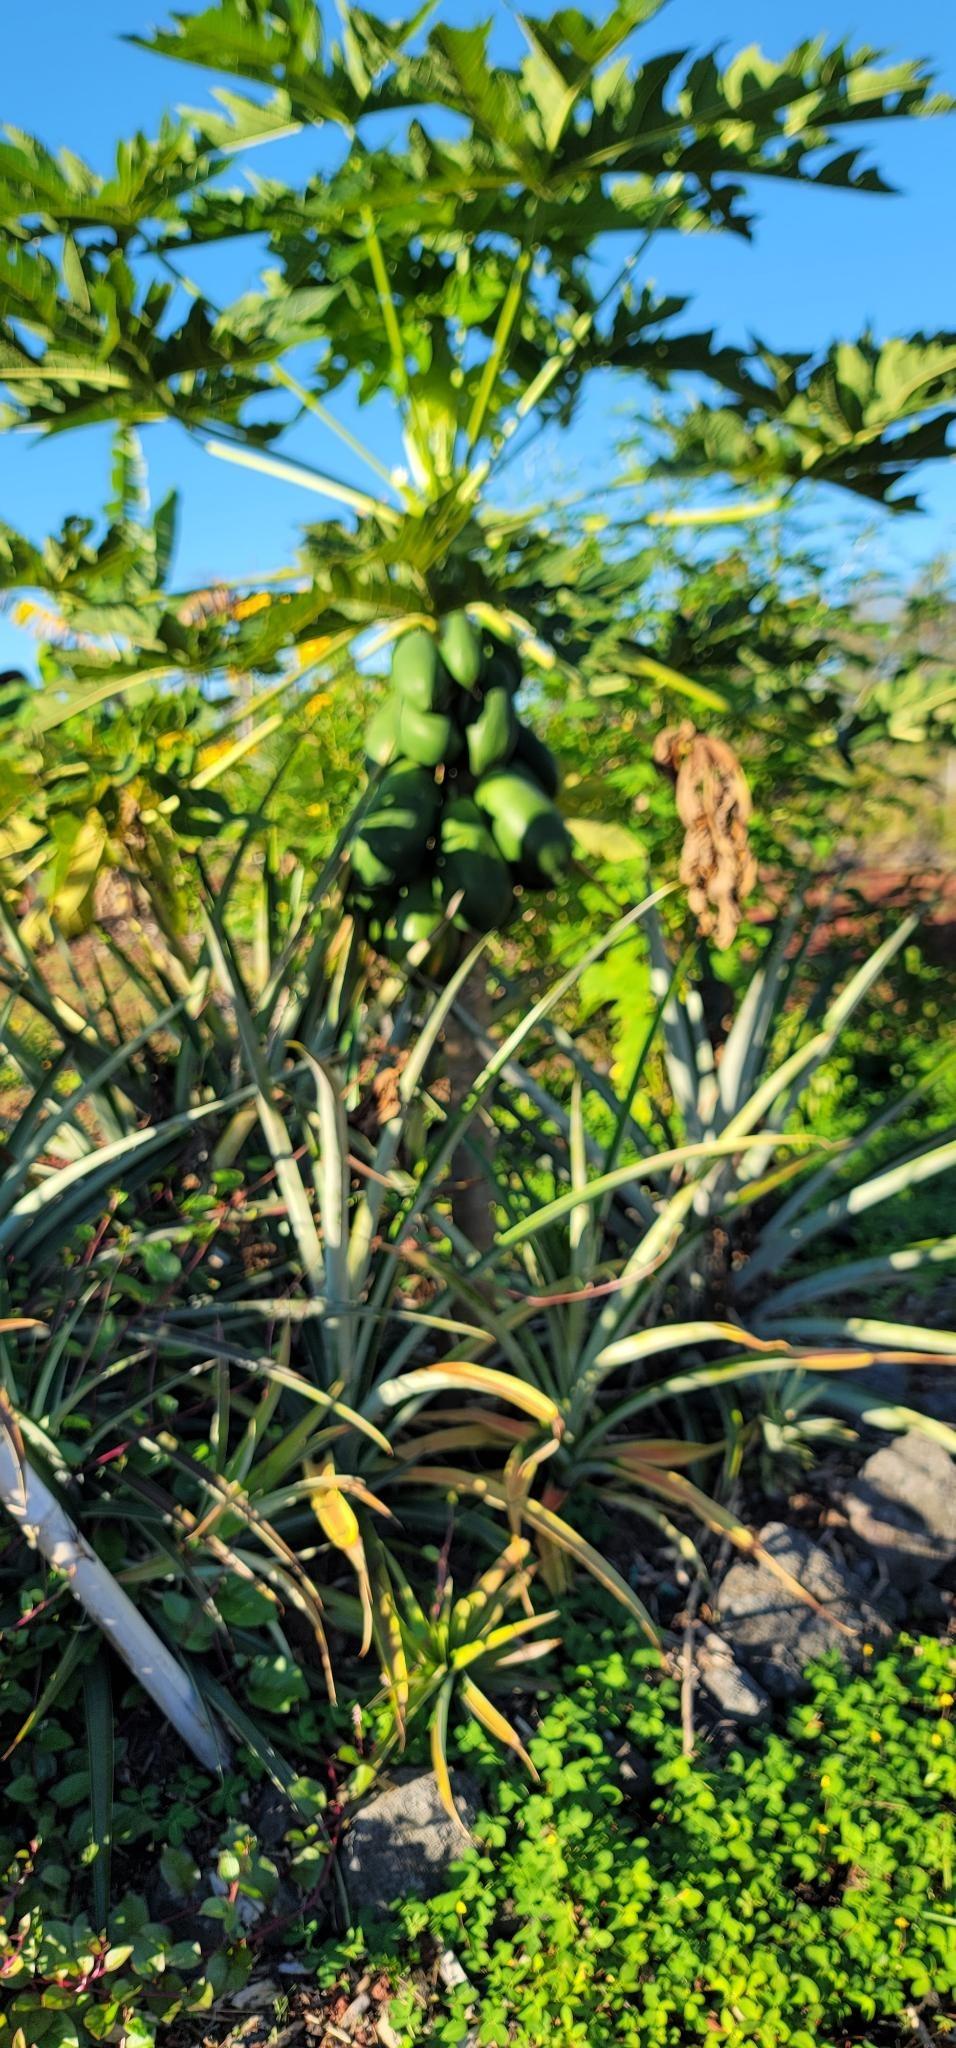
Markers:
823,264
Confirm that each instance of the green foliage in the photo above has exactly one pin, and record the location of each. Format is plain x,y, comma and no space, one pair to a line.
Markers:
798,1891
797,417
205,1218
457,275
235,1276
796,1888
84,1959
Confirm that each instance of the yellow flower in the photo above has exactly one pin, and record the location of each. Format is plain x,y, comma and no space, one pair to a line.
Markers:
313,650
320,702
875,1735
867,1649
247,607
946,1699
901,1920
822,1828
213,751
825,1781
936,1740
460,1908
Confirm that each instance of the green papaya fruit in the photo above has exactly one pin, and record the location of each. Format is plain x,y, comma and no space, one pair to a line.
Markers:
460,647
381,737
395,830
415,916
427,736
418,672
491,734
538,759
471,863
418,918
528,831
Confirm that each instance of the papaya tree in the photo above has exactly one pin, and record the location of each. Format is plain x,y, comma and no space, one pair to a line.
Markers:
453,273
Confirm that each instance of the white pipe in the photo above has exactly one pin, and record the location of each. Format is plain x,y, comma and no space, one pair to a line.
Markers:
50,1530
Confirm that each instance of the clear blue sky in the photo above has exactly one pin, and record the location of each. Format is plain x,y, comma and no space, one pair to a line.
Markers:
823,264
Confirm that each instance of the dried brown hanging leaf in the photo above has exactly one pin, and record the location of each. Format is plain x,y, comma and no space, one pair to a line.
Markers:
717,866
379,1076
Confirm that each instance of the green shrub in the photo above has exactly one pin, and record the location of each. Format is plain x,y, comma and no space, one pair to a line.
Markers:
798,1891
188,1891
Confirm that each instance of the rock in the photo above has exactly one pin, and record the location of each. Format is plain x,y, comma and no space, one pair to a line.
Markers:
734,1691
403,1842
774,1634
257,1996
450,1970
902,1507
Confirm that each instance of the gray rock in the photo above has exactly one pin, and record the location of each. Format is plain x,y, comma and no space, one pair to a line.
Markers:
403,1842
774,1634
737,1695
450,1970
902,1507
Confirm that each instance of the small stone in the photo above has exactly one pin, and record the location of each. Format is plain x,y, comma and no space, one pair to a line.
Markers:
256,1996
403,1842
902,1507
775,1634
450,1970
734,1691
356,2011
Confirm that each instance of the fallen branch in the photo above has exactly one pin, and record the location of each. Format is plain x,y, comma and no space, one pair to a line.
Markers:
688,1670
49,1529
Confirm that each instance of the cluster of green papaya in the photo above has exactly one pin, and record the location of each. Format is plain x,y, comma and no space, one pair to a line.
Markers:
465,806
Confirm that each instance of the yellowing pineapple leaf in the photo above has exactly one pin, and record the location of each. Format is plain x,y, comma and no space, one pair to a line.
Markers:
544,1522
483,1709
438,1742
339,1523
335,1513
452,1375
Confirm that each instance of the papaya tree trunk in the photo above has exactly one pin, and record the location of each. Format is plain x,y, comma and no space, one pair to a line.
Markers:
472,1201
